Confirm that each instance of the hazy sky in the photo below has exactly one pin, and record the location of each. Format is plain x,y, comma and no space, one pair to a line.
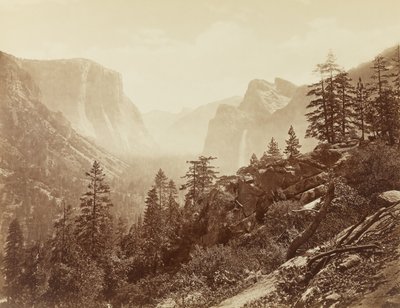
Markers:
183,53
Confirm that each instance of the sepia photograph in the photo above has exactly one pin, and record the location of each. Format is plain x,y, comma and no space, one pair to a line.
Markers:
199,153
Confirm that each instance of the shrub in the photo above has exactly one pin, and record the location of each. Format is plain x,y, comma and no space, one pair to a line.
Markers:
219,265
373,169
324,154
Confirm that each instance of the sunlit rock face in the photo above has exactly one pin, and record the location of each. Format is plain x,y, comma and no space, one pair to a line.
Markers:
265,98
92,98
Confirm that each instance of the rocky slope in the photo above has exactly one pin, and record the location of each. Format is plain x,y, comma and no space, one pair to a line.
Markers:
363,270
92,98
41,156
364,69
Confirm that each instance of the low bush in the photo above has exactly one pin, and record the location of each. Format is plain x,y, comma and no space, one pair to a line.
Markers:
373,168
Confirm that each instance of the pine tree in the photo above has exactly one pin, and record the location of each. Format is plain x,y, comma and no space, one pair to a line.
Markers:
273,149
384,102
345,93
199,178
396,73
67,260
324,106
292,144
207,173
331,69
63,237
153,231
120,233
396,87
254,160
134,250
192,182
380,75
12,263
360,108
34,277
94,224
160,183
173,206
173,221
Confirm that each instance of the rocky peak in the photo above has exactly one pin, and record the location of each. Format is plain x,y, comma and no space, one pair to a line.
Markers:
285,87
264,98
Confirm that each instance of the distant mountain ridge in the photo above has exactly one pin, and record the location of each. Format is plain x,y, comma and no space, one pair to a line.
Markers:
184,132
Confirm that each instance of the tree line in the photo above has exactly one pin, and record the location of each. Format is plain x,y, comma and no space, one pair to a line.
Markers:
341,108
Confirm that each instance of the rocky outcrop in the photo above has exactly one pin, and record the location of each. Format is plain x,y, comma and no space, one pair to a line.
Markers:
241,203
305,185
92,98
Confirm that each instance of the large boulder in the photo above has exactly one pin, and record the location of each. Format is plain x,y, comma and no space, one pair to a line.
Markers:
305,184
388,197
312,194
285,173
248,196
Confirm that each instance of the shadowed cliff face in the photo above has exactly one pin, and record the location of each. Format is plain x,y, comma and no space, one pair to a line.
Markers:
92,98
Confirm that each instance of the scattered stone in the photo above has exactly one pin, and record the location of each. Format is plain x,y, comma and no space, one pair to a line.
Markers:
333,297
168,303
350,261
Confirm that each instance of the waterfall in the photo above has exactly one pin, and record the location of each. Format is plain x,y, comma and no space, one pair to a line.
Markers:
242,150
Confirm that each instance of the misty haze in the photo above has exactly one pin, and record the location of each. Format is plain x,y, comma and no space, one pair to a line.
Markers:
171,153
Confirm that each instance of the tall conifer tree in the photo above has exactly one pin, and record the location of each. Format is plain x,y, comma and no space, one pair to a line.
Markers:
292,144
13,262
94,223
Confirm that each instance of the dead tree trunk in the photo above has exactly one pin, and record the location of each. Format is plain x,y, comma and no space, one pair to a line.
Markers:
310,230
342,250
